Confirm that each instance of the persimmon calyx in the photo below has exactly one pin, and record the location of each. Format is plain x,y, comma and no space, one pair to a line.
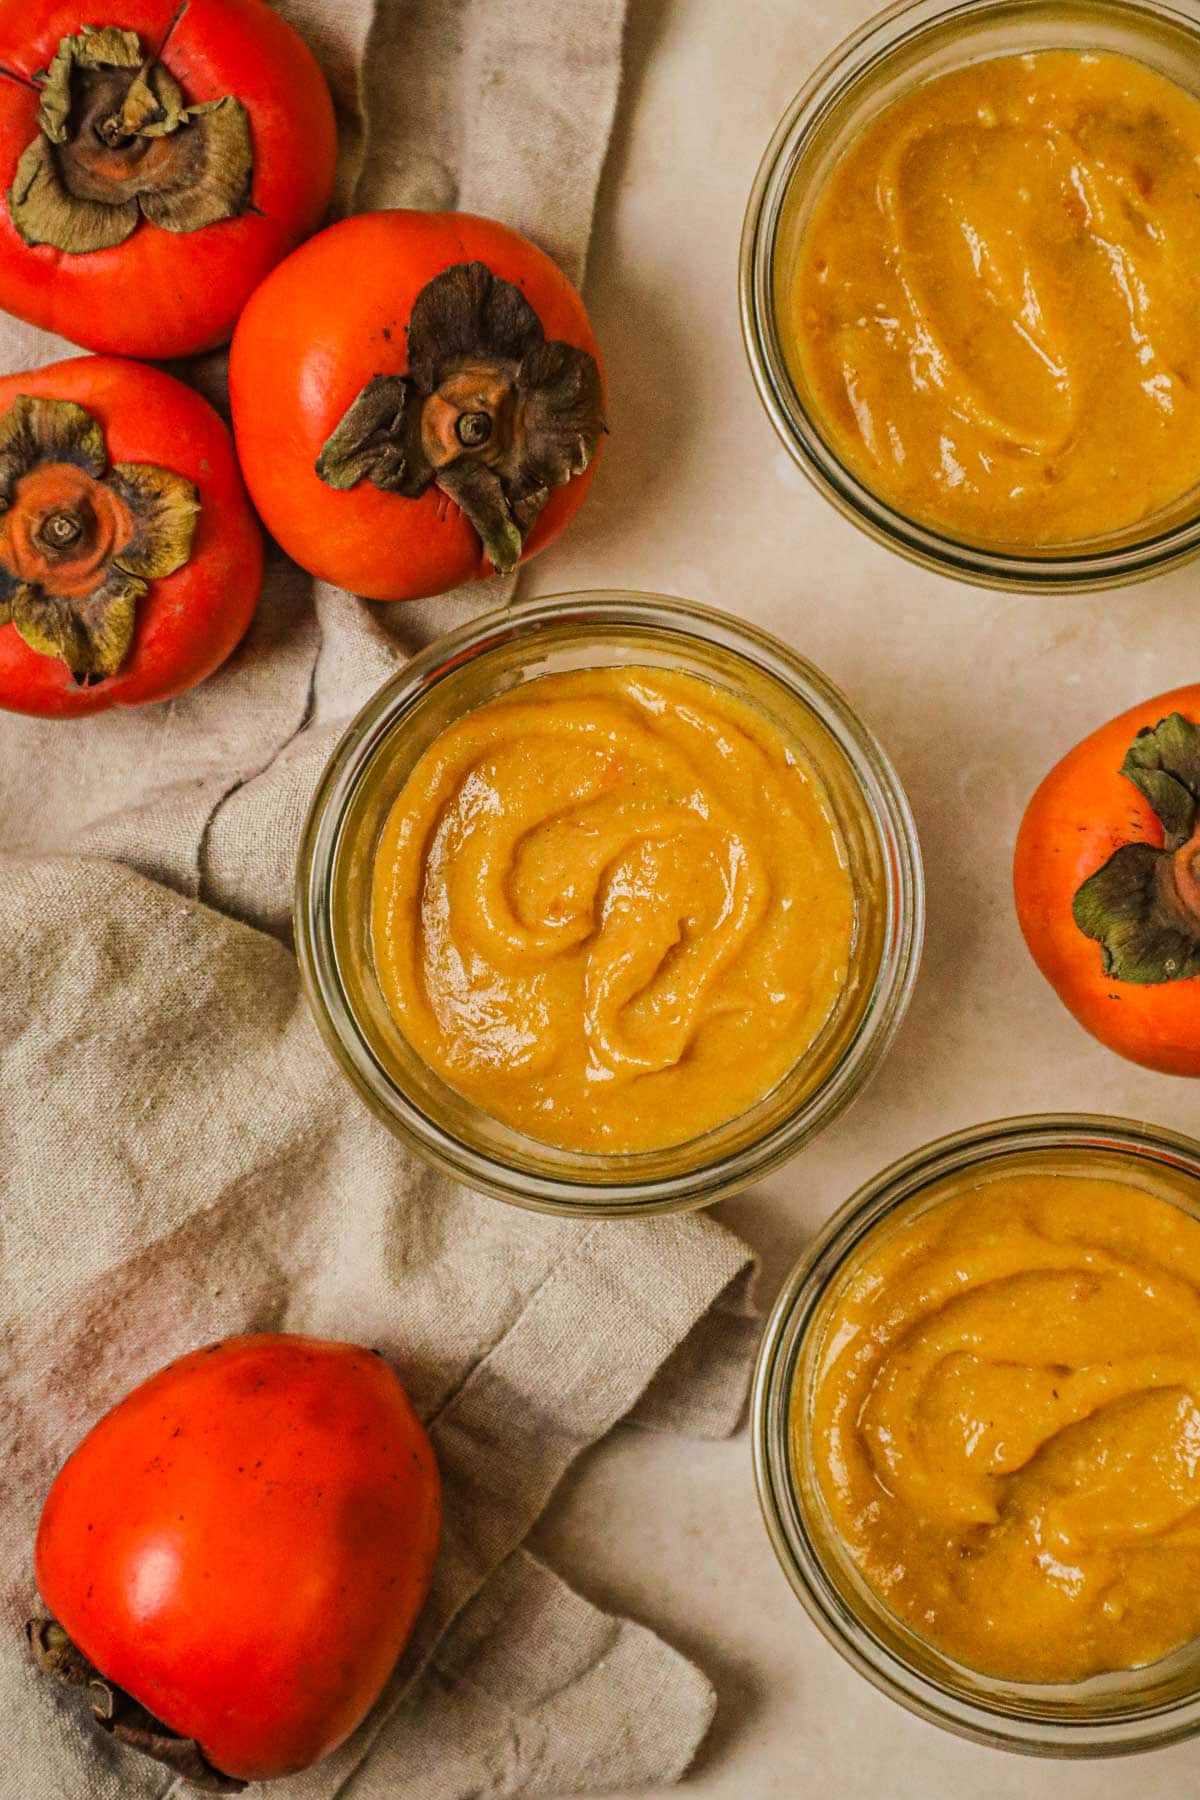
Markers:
80,541
491,410
121,1716
118,143
1143,905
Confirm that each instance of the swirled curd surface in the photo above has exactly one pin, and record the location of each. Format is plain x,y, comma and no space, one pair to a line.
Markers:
1007,1425
996,312
611,908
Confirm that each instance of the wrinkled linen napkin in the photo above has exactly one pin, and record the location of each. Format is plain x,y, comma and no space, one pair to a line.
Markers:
182,1160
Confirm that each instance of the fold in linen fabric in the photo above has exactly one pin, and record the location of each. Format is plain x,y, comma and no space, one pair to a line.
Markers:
181,1160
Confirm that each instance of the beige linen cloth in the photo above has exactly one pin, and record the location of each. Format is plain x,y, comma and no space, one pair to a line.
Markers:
180,1158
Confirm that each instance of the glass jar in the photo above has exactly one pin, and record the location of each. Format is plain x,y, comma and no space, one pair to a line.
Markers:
899,48
1130,1710
492,656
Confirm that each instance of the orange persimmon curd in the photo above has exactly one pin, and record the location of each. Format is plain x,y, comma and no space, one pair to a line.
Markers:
1005,1424
611,908
994,317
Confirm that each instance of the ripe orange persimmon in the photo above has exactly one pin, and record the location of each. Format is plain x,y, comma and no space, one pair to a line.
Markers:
417,400
1107,880
156,160
130,557
240,1548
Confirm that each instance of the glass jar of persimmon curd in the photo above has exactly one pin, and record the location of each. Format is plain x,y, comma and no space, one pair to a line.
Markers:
969,290
977,1434
607,903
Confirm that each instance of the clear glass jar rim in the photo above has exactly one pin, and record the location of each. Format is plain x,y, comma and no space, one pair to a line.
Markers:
781,1503
601,611
862,50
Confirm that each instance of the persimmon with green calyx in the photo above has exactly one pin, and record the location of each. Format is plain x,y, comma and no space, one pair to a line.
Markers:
1107,880
130,558
236,1554
418,401
157,158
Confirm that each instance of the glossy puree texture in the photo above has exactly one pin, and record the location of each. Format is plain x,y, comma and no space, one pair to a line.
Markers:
1006,1425
611,908
996,312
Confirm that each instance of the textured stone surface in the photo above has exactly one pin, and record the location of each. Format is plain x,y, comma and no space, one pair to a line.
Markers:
975,695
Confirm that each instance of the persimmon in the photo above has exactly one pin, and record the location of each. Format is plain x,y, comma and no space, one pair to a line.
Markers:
1107,880
130,557
417,400
155,163
235,1555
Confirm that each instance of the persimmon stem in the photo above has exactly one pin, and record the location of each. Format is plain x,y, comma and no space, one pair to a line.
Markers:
1143,905
118,143
491,411
473,428
111,132
121,1716
61,529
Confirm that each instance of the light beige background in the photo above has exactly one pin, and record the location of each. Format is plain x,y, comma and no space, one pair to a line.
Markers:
974,695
